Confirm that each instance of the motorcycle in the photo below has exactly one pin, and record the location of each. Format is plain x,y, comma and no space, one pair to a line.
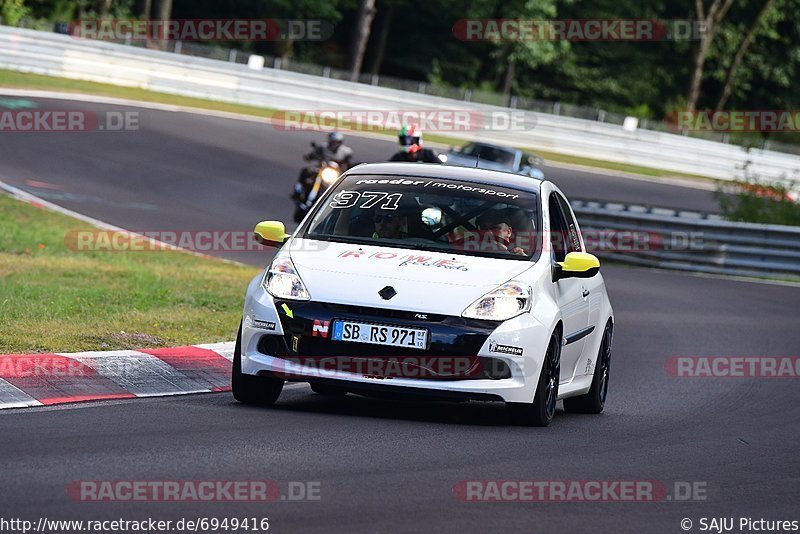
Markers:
315,181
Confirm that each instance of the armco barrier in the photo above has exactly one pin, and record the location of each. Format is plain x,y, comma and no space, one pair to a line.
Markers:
60,55
692,241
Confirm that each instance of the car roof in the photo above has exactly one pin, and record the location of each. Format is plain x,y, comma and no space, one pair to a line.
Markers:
448,172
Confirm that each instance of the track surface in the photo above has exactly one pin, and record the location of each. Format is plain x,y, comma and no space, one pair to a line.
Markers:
183,171
390,466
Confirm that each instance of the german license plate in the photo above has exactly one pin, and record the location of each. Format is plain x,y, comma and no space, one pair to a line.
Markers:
379,334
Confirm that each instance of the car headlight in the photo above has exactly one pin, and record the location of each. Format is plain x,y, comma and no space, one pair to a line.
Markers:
283,282
505,302
329,175
443,158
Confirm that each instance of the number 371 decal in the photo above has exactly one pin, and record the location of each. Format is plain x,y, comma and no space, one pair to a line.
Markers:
348,199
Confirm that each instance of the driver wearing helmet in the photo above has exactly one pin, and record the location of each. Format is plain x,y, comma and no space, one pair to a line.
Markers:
411,150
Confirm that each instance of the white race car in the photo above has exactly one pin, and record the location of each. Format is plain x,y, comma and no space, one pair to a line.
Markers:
436,282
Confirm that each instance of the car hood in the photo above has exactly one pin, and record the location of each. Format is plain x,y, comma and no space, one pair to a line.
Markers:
430,282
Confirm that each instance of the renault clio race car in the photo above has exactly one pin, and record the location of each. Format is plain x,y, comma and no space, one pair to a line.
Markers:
434,282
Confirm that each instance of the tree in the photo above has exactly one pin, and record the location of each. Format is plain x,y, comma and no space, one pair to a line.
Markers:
366,12
748,39
385,14
710,20
12,11
163,10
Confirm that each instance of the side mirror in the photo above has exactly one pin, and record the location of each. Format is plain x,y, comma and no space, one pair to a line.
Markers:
271,233
577,265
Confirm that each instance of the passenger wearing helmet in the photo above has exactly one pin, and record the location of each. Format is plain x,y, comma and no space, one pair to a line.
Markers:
410,137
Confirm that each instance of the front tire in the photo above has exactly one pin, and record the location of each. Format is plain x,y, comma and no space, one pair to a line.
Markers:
252,389
595,400
541,411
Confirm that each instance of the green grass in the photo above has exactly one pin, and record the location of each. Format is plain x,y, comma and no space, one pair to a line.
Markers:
20,80
53,299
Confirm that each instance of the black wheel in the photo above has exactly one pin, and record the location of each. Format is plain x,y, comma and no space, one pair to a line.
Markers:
328,391
595,400
251,389
541,411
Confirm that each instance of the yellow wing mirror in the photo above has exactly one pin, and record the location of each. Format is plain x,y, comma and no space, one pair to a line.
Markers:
578,265
271,233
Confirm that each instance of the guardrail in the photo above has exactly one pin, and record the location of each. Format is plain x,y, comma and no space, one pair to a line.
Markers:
688,241
64,56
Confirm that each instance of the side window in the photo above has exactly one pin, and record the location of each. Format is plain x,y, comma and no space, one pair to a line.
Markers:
573,236
558,229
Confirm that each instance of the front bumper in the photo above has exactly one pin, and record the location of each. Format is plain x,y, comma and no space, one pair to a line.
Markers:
465,359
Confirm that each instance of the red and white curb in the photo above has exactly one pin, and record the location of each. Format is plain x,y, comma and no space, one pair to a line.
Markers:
46,379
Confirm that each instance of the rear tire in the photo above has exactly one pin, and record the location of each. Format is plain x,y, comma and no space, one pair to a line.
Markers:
328,391
541,411
252,389
595,400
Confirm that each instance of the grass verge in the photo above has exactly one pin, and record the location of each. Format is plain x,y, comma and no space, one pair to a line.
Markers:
19,80
55,300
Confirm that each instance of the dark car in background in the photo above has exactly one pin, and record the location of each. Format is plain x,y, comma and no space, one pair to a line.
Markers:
496,158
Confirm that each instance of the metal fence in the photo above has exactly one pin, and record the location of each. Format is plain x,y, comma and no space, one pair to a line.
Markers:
689,241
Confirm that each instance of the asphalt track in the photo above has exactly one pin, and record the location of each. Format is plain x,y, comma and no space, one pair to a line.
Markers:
182,171
386,466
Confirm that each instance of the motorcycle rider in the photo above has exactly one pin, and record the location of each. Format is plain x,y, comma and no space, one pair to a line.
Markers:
411,150
334,152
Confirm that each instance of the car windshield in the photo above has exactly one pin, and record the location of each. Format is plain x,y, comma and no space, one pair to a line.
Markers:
490,153
431,214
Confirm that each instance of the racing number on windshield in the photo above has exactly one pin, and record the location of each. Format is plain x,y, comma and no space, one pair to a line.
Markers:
348,199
